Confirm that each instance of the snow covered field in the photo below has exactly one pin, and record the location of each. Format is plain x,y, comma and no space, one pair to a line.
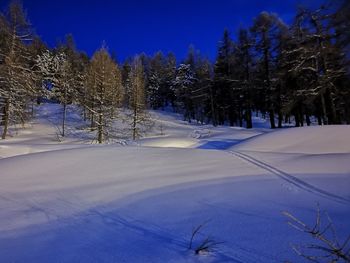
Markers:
71,201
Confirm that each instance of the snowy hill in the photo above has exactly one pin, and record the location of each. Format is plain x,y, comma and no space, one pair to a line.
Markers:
77,202
314,139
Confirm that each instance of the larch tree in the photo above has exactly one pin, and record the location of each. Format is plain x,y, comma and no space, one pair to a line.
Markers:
104,92
202,94
266,30
222,85
57,73
243,71
139,118
78,62
16,76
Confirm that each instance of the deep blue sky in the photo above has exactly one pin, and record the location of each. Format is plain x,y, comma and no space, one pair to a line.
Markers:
133,26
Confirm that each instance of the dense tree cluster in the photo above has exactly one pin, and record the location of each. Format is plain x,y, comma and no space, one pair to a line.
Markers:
298,72
287,73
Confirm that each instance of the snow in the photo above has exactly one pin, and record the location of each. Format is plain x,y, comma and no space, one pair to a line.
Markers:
308,140
71,201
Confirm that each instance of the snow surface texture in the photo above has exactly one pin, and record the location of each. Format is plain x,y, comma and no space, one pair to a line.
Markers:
71,201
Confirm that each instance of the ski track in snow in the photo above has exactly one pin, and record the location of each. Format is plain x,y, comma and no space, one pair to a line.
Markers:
291,179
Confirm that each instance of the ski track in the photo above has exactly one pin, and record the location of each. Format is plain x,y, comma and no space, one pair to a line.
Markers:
291,179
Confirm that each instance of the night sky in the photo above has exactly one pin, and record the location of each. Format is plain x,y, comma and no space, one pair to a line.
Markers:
134,26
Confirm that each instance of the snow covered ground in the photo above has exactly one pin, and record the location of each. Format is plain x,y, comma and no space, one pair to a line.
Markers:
71,201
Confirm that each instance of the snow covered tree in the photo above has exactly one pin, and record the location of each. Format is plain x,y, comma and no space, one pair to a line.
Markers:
78,62
156,79
183,86
316,66
104,92
17,81
169,76
58,77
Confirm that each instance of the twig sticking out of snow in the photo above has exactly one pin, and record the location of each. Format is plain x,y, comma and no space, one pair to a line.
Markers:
327,246
206,245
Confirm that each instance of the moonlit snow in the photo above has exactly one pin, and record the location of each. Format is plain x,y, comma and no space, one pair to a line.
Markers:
73,201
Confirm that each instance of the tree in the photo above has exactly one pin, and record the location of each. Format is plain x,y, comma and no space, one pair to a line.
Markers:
16,76
137,104
169,76
266,29
222,88
36,48
156,79
104,91
242,84
59,78
202,93
317,67
341,23
78,62
183,86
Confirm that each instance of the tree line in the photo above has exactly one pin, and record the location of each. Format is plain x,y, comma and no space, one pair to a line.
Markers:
298,72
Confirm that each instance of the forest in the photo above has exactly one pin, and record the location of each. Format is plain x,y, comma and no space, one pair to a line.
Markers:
297,73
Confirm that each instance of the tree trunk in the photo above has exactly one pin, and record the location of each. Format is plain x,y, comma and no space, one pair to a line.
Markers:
332,115
308,121
32,109
134,124
248,117
324,111
92,118
64,119
84,113
100,128
280,119
6,118
272,119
